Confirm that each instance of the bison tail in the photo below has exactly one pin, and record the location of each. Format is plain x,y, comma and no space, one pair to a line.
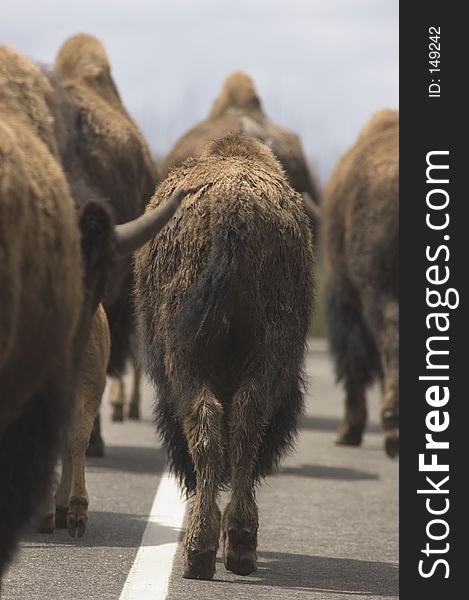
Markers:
120,315
210,302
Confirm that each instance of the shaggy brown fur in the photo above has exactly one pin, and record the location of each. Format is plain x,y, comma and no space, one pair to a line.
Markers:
53,272
33,191
105,154
238,108
361,230
223,306
40,245
28,96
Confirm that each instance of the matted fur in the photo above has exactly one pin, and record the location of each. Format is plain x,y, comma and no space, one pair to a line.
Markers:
104,155
361,230
226,295
239,109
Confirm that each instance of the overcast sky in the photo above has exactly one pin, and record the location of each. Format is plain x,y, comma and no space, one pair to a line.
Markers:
321,66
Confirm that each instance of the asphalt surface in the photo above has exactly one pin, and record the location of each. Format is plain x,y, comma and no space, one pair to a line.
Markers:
328,518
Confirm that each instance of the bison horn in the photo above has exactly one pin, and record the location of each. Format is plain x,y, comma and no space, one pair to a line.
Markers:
313,210
130,236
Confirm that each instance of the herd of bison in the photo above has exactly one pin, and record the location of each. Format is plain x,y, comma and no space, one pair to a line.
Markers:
206,264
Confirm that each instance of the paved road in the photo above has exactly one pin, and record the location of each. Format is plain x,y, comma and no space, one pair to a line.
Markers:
328,519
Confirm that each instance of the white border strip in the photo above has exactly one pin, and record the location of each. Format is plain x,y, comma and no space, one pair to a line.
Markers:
149,576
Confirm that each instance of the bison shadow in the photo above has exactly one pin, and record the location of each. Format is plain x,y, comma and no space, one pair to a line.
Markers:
130,459
320,574
106,530
324,575
331,424
326,472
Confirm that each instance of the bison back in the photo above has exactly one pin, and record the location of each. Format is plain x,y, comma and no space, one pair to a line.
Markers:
238,254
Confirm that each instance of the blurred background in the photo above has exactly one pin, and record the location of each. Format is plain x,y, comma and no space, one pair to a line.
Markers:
321,66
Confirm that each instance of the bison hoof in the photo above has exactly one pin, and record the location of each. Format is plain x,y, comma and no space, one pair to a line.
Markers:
46,524
200,565
240,554
77,516
96,446
61,516
134,412
76,524
391,444
243,563
118,413
350,435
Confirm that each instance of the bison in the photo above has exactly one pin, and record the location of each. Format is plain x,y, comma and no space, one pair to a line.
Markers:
238,108
223,304
54,267
361,231
104,153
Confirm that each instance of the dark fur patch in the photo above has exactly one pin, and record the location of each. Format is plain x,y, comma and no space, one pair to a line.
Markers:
210,302
96,229
28,451
281,432
120,318
356,357
169,428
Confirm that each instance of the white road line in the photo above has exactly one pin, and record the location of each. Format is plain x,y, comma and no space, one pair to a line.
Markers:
149,575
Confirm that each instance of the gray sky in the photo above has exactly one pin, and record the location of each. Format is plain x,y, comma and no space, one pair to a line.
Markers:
321,66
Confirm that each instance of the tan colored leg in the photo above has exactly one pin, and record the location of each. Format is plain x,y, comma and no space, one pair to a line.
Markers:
91,384
79,436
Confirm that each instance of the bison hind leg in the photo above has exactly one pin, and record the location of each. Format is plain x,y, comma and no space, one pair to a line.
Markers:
204,430
356,358
384,320
262,428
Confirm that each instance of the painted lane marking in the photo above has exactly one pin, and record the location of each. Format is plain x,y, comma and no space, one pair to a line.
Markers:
150,573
